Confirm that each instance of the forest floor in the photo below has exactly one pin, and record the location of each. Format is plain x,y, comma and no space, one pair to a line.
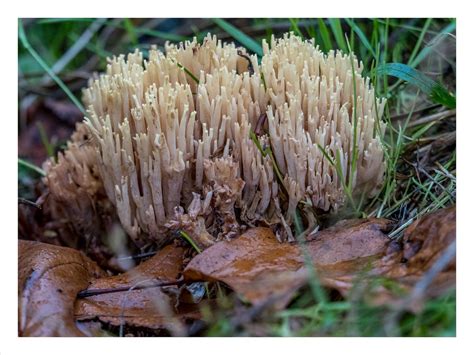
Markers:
419,188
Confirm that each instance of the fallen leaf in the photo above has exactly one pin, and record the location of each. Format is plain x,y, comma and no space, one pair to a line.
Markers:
425,243
49,277
257,266
431,235
151,308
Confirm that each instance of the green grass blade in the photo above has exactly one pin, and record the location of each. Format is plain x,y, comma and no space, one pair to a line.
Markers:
28,165
190,240
138,30
335,24
24,41
323,30
46,21
442,96
354,120
358,31
419,42
311,32
131,32
158,34
326,155
269,152
384,59
187,71
425,51
238,35
314,283
437,92
295,27
44,140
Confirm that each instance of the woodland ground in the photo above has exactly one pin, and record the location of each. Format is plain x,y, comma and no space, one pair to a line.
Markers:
420,141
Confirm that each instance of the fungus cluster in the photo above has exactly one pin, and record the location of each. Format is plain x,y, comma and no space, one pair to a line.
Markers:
207,140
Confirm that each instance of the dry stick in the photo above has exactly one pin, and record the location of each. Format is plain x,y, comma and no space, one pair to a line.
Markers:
444,172
434,270
101,291
124,298
24,201
440,140
415,112
103,38
161,309
432,179
420,287
72,52
434,117
175,328
137,256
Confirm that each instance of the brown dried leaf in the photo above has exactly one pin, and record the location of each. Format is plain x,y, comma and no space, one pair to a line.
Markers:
427,238
49,278
257,266
152,308
425,243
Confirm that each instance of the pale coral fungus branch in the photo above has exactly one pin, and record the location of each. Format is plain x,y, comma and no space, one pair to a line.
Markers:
178,152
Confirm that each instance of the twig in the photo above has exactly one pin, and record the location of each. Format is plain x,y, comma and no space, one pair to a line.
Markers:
81,42
122,309
24,201
444,172
415,112
419,289
101,291
434,117
137,256
393,233
436,182
434,270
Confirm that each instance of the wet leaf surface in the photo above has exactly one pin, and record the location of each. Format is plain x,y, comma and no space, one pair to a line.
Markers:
49,277
257,266
356,252
427,238
152,308
426,245
355,257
